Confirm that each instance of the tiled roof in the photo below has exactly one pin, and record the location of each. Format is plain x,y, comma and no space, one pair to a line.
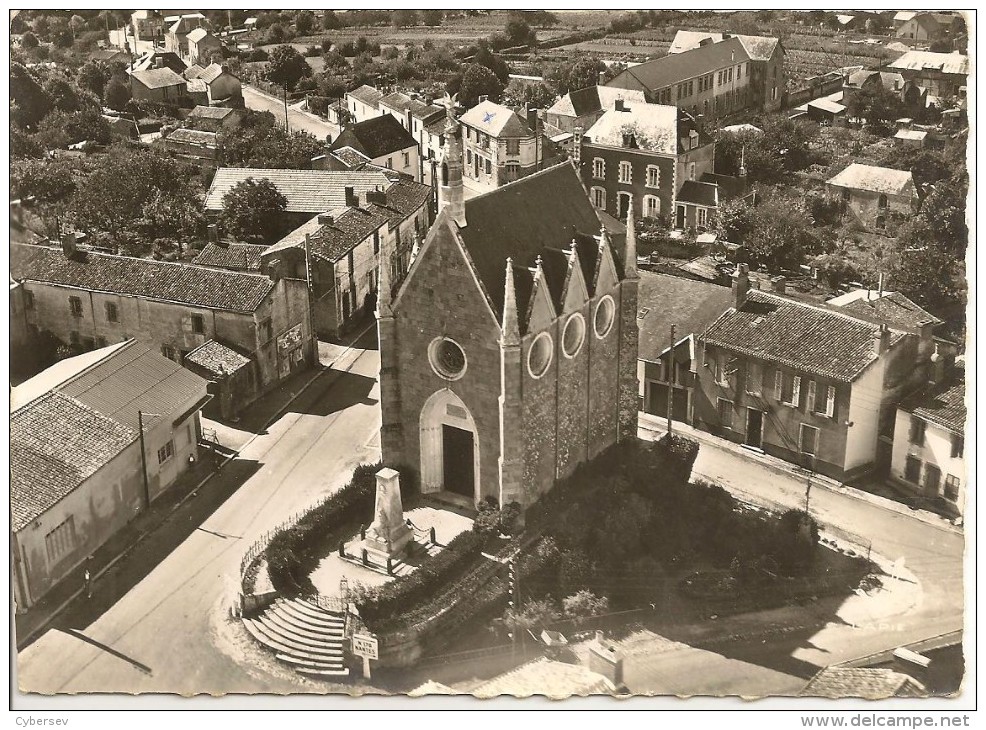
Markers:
350,157
210,112
405,198
366,94
801,336
375,137
211,72
546,677
592,99
197,34
193,136
874,179
698,193
170,60
942,404
690,305
495,120
307,191
56,443
667,70
217,358
402,103
193,72
161,280
158,78
760,48
866,682
893,308
232,256
654,126
949,63
332,241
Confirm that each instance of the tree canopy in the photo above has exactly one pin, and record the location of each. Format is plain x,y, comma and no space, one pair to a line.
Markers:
253,210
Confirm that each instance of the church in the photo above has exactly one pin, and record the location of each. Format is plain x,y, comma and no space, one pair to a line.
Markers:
509,351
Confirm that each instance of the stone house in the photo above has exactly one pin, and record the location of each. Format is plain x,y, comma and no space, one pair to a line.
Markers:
148,25
641,154
179,27
697,202
873,194
88,299
582,107
385,142
913,98
158,84
363,103
193,144
214,85
499,146
942,74
79,468
508,354
214,118
918,26
804,382
201,45
425,122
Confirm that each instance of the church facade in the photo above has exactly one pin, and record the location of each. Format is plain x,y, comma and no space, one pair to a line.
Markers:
508,353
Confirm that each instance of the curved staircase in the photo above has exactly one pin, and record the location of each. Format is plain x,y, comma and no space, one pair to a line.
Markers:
308,638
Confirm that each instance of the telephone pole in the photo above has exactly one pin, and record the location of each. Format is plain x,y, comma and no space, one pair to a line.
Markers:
143,460
670,379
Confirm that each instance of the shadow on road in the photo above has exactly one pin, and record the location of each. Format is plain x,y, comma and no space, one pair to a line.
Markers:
337,392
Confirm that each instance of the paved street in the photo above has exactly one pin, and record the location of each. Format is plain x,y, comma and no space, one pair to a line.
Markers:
299,120
167,632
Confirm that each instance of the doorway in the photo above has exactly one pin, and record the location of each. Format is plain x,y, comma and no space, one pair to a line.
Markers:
754,428
679,220
475,166
457,461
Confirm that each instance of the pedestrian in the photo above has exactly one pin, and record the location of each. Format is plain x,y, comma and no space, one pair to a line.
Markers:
88,578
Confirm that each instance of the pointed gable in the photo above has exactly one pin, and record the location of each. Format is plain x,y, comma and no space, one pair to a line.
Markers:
542,310
606,274
575,293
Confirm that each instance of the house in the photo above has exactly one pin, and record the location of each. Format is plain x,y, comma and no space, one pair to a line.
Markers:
363,103
508,353
337,112
499,146
641,154
713,80
87,299
767,77
927,27
214,85
110,56
863,682
804,382
874,194
94,440
942,74
193,144
385,142
929,437
122,127
343,250
202,45
697,202
425,121
912,97
230,256
826,112
214,118
148,25
308,192
176,36
581,108
158,84
159,59
691,306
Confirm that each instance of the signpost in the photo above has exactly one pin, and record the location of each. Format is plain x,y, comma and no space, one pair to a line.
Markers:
365,645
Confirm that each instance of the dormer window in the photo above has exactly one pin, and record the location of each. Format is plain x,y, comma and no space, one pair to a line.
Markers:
629,140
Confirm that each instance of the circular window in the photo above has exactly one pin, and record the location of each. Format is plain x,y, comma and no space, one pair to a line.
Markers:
447,358
574,335
603,321
539,356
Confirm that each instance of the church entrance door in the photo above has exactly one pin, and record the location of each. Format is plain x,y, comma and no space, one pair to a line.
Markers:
457,461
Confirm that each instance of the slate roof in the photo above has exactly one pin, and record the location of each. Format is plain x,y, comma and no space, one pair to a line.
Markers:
866,682
56,443
546,677
667,70
307,191
193,136
169,59
875,179
210,112
891,81
197,86
194,285
592,99
375,137
216,358
654,126
759,48
893,308
691,305
198,34
695,192
366,94
496,120
332,241
802,336
949,63
544,210
211,72
232,256
942,404
401,102
158,78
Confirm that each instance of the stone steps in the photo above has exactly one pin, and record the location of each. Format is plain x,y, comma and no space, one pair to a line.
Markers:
300,634
287,646
293,615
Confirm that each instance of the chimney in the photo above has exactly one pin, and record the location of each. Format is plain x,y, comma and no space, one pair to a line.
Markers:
482,98
741,285
212,232
532,118
325,219
604,659
577,145
158,62
352,199
912,664
274,269
881,340
620,106
68,244
379,197
778,284
602,78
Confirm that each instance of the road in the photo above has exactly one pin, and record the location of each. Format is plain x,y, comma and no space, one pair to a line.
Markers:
299,120
170,632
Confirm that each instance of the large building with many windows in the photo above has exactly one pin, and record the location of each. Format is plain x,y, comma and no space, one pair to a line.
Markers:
498,146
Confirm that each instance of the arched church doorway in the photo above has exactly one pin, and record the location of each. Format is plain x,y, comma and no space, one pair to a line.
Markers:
449,446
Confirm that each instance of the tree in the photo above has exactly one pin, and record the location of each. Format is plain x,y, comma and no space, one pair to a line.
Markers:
259,142
877,105
584,604
304,22
286,68
330,21
585,73
117,95
77,24
253,210
924,272
29,41
28,101
93,77
405,17
538,95
51,184
477,81
944,211
175,215
276,34
519,33
432,17
533,615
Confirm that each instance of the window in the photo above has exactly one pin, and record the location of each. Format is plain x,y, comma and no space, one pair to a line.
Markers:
881,223
821,398
376,242
917,431
653,176
539,356
691,170
787,388
725,412
61,540
599,168
703,217
469,156
602,321
808,439
447,358
112,315
754,378
958,446
599,198
513,170
912,469
626,172
882,202
739,72
198,324
166,452
390,163
725,367
28,300
623,203
407,159
574,335
932,478
652,206
489,167
513,146
952,488
75,305
266,330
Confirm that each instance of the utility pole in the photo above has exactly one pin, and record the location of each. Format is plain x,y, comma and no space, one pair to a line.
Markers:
513,603
670,379
143,460
807,495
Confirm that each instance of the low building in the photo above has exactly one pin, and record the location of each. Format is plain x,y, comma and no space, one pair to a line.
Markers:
363,103
87,299
581,108
80,466
927,27
230,256
804,382
157,58
193,144
913,98
697,202
499,146
158,84
214,118
202,45
916,138
111,56
827,112
942,74
385,142
873,194
214,85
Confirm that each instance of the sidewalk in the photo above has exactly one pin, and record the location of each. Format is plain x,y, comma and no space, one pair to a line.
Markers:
652,427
